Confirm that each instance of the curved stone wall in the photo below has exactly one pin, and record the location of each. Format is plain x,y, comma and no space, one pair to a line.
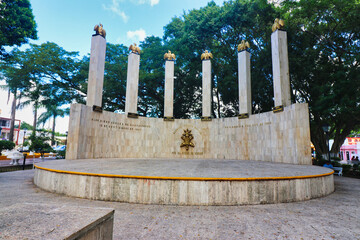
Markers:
185,192
275,137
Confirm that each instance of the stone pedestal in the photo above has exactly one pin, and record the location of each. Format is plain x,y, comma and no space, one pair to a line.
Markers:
206,88
96,71
132,84
280,65
169,89
244,82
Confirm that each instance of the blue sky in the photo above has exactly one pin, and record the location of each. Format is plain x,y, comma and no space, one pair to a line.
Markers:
70,23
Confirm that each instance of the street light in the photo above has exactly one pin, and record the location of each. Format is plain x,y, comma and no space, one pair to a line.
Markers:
326,128
24,135
66,139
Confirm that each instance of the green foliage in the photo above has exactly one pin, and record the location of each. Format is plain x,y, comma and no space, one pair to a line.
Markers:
17,24
26,125
6,145
26,143
220,30
39,143
346,168
324,47
61,154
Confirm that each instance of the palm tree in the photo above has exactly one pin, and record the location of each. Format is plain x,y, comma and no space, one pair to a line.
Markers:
32,96
52,111
16,75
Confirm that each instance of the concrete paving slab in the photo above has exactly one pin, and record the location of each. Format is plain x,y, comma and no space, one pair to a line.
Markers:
336,216
46,221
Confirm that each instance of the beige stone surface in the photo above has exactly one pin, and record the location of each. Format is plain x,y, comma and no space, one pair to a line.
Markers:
244,82
96,71
224,191
280,63
33,221
132,83
169,89
273,137
206,88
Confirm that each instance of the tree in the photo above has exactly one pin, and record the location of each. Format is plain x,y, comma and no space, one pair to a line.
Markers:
6,145
53,111
16,75
114,89
324,53
17,24
39,144
220,30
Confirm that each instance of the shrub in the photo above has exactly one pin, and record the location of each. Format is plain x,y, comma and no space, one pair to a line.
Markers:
346,168
39,144
6,145
61,154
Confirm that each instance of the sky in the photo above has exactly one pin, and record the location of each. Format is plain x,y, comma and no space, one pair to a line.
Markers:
70,24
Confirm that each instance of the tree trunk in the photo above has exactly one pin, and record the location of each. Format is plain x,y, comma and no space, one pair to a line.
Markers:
53,133
218,100
35,117
12,123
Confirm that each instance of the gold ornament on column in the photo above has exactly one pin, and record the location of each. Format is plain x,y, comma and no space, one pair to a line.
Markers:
206,55
134,48
243,45
100,30
278,24
169,56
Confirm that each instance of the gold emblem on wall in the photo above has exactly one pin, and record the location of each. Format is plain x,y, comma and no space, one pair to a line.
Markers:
187,137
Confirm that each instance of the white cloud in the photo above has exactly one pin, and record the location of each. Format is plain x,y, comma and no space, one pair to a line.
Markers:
115,8
151,2
136,35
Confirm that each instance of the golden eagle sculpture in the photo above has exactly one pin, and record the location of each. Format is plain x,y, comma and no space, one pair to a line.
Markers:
100,30
134,48
169,56
243,45
278,24
206,55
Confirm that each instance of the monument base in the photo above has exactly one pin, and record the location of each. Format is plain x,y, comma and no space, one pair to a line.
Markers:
184,181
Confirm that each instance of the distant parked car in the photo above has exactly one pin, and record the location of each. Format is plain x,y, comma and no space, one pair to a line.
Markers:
60,148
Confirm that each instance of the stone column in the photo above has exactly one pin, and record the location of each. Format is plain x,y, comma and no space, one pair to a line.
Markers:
244,84
169,90
96,71
206,89
132,85
280,63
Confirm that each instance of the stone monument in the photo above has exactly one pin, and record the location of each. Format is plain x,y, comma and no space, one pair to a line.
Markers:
280,63
244,80
254,159
96,68
206,85
169,86
132,82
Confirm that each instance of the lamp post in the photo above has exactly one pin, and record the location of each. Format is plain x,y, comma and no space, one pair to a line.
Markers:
326,128
66,139
24,135
0,132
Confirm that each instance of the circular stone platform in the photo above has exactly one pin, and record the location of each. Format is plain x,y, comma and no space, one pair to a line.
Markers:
184,181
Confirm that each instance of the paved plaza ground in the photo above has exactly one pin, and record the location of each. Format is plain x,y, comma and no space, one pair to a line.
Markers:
336,216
